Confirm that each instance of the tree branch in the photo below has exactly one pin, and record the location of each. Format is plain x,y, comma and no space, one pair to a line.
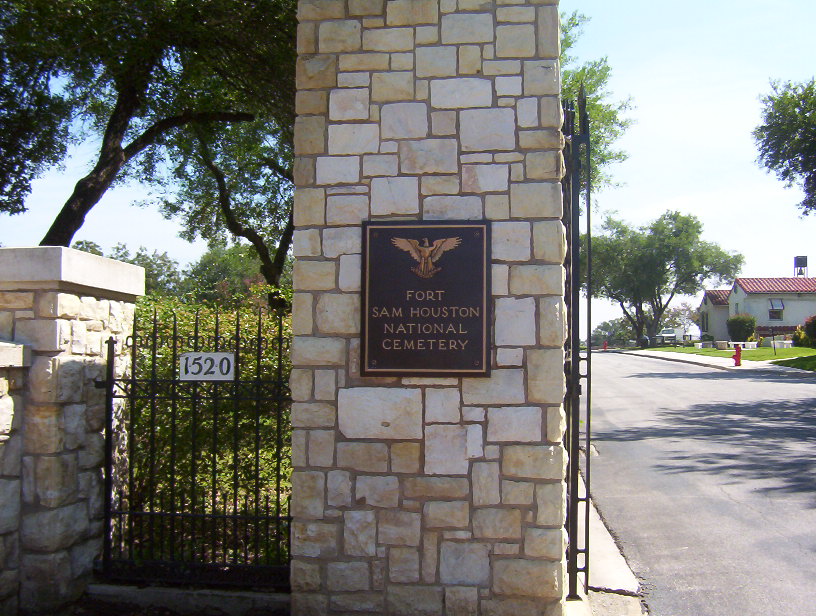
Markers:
150,135
271,267
283,172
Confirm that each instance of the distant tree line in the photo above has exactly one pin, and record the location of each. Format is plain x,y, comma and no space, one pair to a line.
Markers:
224,275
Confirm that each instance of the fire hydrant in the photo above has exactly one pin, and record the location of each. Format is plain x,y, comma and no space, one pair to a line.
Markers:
606,345
737,356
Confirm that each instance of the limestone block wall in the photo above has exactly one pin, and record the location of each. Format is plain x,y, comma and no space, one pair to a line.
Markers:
53,454
11,384
428,495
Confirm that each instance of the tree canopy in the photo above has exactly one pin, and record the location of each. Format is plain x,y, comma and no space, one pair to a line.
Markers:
226,276
682,317
140,78
786,139
162,274
643,269
608,119
614,331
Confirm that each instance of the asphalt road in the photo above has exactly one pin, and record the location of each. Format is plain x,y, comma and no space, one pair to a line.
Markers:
707,478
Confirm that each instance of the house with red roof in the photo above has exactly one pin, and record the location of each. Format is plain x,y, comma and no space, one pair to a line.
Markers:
778,304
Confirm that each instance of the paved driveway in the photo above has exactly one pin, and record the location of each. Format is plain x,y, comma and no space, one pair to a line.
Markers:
708,479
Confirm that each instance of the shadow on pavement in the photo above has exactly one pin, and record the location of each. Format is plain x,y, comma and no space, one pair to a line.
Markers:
716,374
773,441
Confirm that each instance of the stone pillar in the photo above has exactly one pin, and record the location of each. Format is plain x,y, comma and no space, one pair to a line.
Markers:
428,109
62,304
13,358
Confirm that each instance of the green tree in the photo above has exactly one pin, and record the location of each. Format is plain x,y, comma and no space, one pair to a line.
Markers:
613,331
608,118
162,275
33,131
786,139
88,246
682,317
223,274
138,78
235,181
644,269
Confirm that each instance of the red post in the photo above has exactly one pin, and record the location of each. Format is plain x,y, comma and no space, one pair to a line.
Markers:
737,356
606,345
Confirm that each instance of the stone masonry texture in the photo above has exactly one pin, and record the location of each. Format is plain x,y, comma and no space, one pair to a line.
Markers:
428,496
52,439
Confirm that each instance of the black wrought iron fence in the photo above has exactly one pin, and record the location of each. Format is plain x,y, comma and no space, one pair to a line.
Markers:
578,365
198,451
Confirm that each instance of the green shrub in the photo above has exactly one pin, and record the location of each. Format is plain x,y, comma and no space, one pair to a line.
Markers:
810,328
707,338
220,447
741,327
800,338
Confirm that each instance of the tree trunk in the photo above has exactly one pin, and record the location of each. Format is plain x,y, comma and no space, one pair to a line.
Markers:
87,193
271,267
112,157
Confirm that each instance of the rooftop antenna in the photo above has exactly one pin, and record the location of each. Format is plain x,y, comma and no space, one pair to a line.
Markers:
800,267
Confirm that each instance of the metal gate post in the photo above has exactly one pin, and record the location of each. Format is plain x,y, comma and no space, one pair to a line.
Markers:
579,164
109,385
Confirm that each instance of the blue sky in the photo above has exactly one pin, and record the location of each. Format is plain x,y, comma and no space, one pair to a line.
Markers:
694,70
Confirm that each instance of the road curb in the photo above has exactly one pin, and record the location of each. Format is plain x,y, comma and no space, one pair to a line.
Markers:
698,362
674,359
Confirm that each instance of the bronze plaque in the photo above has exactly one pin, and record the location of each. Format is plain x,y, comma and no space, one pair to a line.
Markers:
426,298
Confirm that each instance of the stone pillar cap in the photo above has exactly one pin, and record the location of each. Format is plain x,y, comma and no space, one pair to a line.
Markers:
65,269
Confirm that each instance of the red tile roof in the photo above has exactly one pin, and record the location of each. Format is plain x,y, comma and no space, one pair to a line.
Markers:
777,285
718,297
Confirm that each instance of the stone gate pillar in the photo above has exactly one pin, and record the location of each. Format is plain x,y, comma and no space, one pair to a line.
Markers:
428,496
58,306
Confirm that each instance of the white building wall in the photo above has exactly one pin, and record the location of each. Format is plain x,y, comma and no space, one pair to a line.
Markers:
798,307
717,318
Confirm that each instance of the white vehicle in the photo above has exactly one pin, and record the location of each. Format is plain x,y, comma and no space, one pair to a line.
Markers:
669,334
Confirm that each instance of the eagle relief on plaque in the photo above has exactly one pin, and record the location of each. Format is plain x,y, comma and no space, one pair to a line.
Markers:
426,292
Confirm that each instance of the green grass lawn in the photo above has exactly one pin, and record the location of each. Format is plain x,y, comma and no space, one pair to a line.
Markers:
806,354
803,363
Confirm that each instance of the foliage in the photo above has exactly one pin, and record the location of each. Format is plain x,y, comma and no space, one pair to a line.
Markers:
614,330
33,131
810,327
213,464
138,78
607,117
643,269
741,327
162,274
786,139
226,275
800,338
88,246
682,317
234,181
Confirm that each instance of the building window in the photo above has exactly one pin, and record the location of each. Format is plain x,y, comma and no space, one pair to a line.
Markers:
776,309
736,308
704,323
